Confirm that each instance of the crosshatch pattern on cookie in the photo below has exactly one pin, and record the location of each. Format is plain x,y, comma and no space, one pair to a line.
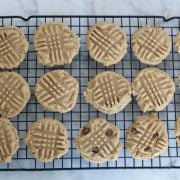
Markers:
109,92
153,89
106,43
47,139
10,140
147,137
57,91
55,44
98,141
14,93
151,45
13,47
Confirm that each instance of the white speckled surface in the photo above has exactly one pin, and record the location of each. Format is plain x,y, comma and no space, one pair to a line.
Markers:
167,8
25,8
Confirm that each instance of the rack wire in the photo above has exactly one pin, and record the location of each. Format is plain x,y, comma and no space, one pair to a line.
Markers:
84,68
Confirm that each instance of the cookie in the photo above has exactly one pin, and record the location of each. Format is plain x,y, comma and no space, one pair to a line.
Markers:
109,92
14,94
57,91
153,88
177,127
177,42
9,140
147,137
178,79
55,44
98,141
13,47
47,139
151,44
106,43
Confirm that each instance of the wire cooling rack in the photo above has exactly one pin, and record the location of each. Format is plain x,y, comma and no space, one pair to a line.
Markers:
84,68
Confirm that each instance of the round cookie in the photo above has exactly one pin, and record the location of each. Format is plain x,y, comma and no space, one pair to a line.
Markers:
14,94
153,88
57,91
151,44
147,137
55,44
13,47
98,141
9,140
106,43
47,139
177,42
109,92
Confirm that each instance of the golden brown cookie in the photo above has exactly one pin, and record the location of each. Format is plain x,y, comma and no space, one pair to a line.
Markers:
9,140
13,47
177,127
47,139
55,44
109,92
177,42
57,91
147,137
106,43
14,94
98,141
151,44
153,88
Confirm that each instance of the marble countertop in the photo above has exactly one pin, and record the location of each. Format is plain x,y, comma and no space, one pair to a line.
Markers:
167,8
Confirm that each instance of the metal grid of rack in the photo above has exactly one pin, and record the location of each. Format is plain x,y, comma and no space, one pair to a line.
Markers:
84,68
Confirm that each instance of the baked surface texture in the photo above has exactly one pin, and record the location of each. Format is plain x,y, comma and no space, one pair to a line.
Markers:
106,43
147,137
9,140
56,44
13,47
14,94
57,91
151,45
109,92
153,88
47,139
98,141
